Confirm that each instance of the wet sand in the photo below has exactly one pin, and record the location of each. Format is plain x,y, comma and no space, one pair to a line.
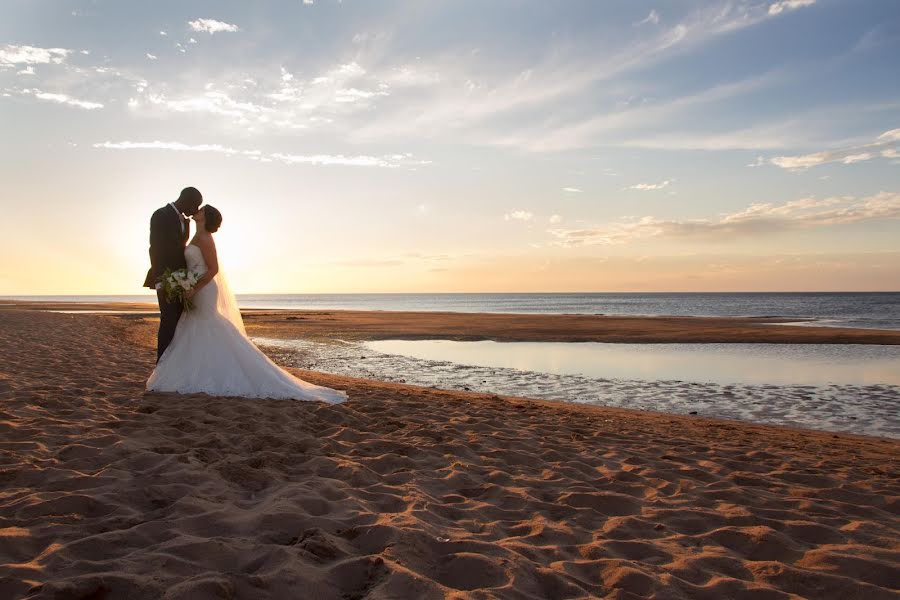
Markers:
375,325
409,492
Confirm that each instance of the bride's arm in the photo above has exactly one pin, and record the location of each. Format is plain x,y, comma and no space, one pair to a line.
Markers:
208,248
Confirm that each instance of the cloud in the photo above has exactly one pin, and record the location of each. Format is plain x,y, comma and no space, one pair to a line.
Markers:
385,161
490,98
151,56
62,99
341,73
884,145
389,161
759,161
518,215
625,127
765,138
653,18
572,190
355,94
217,103
555,219
273,100
412,76
32,55
471,96
212,26
777,8
650,186
757,219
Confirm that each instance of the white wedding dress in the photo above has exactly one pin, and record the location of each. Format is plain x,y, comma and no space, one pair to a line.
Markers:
212,354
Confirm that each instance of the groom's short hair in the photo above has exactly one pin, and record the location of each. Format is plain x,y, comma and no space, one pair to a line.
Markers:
191,194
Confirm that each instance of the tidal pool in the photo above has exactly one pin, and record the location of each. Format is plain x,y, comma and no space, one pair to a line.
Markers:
635,381
777,364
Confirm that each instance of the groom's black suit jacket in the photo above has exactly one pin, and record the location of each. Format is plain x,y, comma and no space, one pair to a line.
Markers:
167,243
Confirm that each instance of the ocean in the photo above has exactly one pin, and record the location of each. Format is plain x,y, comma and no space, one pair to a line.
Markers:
871,310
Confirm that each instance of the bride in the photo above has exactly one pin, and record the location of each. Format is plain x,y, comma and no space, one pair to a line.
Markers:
211,352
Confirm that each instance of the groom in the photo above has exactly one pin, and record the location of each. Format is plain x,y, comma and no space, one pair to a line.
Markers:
169,229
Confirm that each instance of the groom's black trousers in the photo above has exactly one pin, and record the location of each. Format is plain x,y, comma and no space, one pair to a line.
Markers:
169,313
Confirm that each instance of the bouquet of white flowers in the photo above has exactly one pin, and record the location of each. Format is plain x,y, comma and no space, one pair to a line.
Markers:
177,283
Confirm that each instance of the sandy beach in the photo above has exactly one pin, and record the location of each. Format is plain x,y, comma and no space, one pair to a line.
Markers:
374,325
411,492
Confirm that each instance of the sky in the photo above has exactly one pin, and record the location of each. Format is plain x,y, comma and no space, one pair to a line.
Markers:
456,146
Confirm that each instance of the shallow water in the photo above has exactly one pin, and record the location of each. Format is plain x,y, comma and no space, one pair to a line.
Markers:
97,312
798,364
871,409
876,310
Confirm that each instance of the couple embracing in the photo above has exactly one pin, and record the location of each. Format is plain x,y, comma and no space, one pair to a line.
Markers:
206,349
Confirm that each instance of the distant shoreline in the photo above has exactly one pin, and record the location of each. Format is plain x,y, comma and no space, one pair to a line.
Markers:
510,327
20,297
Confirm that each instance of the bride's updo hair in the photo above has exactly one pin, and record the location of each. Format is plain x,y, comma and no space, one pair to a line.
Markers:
213,218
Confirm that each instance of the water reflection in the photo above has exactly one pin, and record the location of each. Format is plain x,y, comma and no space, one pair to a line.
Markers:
779,364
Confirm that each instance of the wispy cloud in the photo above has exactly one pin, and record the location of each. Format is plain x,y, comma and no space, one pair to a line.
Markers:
759,138
62,99
385,161
272,100
213,102
885,145
518,215
650,186
212,26
388,160
572,190
757,219
652,18
467,101
454,95
32,55
776,8
642,125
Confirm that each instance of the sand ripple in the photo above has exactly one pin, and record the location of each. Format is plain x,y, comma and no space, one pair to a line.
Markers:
408,492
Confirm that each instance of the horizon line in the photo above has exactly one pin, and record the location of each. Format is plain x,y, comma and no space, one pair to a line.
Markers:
149,293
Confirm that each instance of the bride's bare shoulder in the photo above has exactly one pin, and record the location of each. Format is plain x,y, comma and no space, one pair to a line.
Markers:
205,242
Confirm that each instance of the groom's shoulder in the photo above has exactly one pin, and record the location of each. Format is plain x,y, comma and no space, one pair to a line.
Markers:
159,212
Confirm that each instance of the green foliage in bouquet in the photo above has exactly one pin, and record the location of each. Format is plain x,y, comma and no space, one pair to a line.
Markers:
177,283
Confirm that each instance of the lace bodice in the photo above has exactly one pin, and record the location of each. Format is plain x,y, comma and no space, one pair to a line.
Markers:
194,258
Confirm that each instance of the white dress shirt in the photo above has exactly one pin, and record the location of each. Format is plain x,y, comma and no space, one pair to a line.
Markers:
180,217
